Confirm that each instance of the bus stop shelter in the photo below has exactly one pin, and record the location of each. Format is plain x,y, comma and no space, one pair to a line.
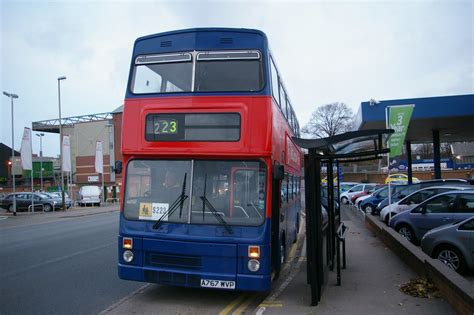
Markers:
434,120
324,228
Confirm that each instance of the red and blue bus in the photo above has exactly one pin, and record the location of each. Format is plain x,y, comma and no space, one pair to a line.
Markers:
211,178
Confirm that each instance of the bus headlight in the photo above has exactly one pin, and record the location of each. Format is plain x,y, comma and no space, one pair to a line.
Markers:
128,256
253,265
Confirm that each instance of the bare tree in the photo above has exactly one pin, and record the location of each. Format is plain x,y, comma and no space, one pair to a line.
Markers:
425,150
329,120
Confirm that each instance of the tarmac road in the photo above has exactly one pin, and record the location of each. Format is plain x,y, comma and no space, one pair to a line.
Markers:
65,263
61,266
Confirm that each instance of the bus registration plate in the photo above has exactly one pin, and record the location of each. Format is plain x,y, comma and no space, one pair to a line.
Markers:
218,284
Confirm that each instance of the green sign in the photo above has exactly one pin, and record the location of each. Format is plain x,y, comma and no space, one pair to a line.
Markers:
399,118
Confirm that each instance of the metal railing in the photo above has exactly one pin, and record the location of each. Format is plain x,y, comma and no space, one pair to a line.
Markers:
31,208
113,200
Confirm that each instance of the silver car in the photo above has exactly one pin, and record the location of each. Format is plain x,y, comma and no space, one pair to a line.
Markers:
452,244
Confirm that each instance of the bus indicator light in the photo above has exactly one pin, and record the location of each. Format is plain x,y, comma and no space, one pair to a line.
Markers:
254,251
127,243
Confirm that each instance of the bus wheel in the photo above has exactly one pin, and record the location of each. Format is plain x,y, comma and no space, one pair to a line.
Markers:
282,254
297,227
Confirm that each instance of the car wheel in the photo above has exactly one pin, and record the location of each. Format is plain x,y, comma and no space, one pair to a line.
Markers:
10,208
47,207
407,232
452,258
368,209
344,200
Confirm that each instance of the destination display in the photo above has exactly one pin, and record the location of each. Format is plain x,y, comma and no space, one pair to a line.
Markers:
193,127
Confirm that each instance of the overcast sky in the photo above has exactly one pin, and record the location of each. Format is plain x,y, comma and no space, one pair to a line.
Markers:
343,51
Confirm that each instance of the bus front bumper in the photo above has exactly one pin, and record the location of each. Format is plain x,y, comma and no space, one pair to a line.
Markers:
243,282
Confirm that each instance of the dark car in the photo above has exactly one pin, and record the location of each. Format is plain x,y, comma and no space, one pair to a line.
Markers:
445,208
369,204
404,190
23,202
452,244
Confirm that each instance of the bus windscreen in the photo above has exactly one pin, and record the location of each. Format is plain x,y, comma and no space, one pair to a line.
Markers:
194,191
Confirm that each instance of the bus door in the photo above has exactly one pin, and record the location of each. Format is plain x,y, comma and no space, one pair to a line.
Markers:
277,216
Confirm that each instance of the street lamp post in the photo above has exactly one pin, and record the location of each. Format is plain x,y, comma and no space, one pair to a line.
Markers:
13,96
61,142
41,135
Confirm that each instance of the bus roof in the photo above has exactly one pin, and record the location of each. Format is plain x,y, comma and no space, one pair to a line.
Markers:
200,39
204,29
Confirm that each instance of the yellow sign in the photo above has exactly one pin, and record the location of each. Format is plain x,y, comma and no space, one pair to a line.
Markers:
145,212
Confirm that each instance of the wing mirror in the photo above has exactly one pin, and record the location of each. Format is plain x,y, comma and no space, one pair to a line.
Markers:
278,172
118,167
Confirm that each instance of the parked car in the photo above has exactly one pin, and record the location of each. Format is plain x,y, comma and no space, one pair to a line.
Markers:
414,199
399,179
23,202
369,204
57,194
89,195
359,194
363,195
347,195
401,192
445,208
452,244
345,186
359,199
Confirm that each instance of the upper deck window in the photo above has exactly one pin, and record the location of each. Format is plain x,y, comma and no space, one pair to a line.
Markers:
211,71
162,74
229,71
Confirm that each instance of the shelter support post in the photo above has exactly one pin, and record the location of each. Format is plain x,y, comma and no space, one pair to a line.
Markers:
332,229
409,162
338,196
436,155
313,230
309,181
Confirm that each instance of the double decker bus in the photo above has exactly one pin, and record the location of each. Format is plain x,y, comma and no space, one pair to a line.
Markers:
211,177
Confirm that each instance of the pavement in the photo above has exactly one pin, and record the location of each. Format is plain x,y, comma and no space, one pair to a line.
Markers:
370,283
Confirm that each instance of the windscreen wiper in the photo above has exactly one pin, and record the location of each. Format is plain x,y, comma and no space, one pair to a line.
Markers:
221,220
178,202
205,202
